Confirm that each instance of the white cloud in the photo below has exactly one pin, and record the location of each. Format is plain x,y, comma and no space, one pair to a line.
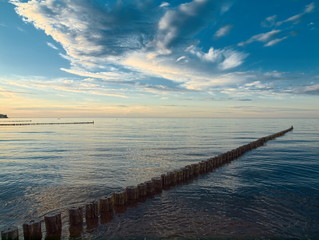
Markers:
232,59
295,18
223,31
89,33
262,37
182,58
269,21
51,45
311,90
224,58
164,4
225,8
177,25
64,85
310,7
275,41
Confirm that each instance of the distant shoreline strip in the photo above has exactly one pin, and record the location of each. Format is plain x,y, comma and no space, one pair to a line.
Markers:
55,123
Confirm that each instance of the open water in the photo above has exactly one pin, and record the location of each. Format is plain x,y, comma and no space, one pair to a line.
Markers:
270,192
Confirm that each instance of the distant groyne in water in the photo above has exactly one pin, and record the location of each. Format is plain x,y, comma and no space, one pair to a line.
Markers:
91,214
48,123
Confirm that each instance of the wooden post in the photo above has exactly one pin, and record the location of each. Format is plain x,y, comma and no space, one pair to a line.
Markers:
91,210
105,204
120,201
132,194
75,221
91,215
106,209
191,171
209,165
180,175
157,183
184,174
11,233
172,176
196,169
32,230
188,173
53,225
163,180
167,180
150,188
75,217
142,190
120,198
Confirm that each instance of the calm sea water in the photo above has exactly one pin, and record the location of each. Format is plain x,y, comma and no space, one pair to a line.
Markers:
270,192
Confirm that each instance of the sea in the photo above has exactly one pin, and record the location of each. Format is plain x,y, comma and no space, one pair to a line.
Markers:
271,192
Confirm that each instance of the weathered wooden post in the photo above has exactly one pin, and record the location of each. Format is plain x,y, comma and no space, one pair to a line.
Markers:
180,175
32,230
75,217
11,233
150,188
191,171
201,167
91,210
132,194
105,204
91,215
167,180
188,172
157,183
184,174
106,209
53,225
120,201
142,191
163,180
75,221
196,169
210,165
171,176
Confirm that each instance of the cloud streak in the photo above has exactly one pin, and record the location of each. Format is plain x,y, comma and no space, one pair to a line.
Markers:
223,31
263,37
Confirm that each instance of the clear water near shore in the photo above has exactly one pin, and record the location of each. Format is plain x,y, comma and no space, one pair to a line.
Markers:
272,191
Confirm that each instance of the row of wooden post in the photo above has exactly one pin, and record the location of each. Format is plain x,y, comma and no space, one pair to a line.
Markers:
48,123
120,200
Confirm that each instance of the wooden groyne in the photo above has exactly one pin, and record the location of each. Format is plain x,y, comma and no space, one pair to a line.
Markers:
15,121
89,215
48,123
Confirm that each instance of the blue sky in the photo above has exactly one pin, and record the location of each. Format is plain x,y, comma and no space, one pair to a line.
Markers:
149,58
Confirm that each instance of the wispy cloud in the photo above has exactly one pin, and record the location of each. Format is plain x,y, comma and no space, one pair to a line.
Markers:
272,21
164,4
262,37
51,45
60,85
296,18
274,41
225,58
310,90
223,31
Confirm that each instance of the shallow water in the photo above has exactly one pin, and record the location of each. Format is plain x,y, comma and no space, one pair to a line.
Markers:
272,191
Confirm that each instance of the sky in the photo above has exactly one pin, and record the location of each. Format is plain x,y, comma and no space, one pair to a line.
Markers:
150,58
